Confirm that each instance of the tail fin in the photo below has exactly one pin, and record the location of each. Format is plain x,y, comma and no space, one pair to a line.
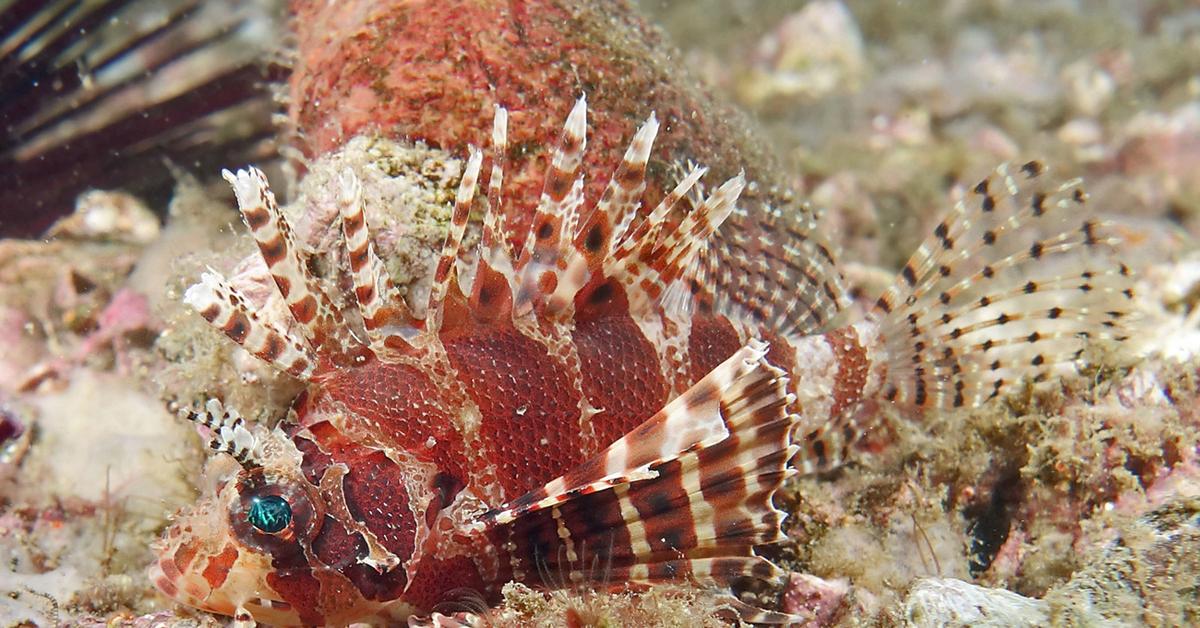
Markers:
1012,284
685,496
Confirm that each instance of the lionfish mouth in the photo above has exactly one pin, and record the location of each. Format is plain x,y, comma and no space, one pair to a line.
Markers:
187,588
196,589
218,578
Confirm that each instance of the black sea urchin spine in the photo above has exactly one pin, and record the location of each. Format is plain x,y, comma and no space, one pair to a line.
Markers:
106,94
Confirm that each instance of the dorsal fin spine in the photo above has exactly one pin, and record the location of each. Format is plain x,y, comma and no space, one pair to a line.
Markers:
495,230
228,310
592,241
494,268
621,198
384,312
545,230
699,225
548,243
310,306
644,233
451,247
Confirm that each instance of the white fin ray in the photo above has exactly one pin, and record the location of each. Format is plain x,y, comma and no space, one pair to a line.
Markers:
228,310
388,320
319,317
660,265
446,269
543,260
492,282
623,195
1009,288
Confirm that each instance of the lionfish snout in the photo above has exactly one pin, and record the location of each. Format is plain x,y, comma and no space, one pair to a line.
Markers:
195,589
194,560
202,563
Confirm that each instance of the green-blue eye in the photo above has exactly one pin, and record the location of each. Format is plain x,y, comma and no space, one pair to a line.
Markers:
269,514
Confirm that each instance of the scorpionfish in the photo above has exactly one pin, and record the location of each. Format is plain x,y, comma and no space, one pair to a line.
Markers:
588,393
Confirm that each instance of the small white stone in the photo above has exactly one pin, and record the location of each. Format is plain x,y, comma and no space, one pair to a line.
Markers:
1089,89
951,602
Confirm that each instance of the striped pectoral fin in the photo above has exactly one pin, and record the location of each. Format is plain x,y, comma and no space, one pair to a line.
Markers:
1010,287
684,497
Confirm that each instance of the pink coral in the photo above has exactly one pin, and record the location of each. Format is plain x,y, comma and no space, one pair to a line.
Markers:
815,598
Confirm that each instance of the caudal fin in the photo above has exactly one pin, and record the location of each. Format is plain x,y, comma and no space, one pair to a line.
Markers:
1010,287
686,496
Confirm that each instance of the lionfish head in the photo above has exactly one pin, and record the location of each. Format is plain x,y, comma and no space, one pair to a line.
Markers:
245,539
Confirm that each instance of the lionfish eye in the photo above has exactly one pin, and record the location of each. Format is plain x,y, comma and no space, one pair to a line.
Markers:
270,513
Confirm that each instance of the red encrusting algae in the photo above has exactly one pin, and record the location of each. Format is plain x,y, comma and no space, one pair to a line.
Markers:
432,71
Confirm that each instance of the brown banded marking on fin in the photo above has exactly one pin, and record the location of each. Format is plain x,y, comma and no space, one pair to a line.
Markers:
388,320
227,309
826,445
682,248
319,317
657,263
491,288
790,284
446,271
560,198
230,432
542,263
1011,286
645,233
622,197
768,265
685,496
496,235
604,225
566,251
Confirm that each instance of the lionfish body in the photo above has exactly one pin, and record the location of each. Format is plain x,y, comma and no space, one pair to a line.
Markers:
585,408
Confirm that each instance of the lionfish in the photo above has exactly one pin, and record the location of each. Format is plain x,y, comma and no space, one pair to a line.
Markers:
588,393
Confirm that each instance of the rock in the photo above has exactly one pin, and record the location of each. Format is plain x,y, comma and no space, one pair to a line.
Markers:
814,52
949,602
814,598
1145,577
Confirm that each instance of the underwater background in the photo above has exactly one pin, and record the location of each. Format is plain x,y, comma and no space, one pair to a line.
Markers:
1072,505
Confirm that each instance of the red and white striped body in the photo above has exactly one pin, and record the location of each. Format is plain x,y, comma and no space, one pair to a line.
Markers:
583,410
